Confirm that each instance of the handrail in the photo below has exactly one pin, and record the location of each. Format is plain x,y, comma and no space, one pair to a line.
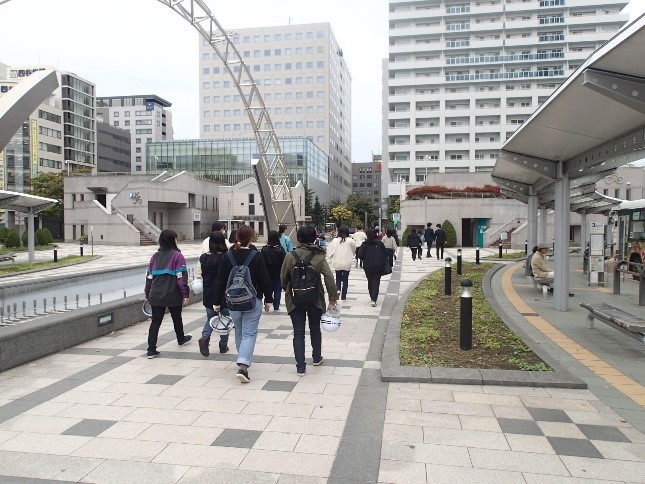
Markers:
492,235
148,229
629,269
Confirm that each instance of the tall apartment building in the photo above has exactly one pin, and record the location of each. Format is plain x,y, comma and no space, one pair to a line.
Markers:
147,117
462,76
59,135
304,81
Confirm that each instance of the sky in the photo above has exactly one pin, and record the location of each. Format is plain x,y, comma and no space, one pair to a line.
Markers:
142,47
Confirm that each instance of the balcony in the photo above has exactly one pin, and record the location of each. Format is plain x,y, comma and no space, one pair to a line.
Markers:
416,48
414,31
505,75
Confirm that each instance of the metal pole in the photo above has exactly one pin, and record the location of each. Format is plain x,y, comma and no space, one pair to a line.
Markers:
477,256
81,251
448,277
526,247
466,315
229,217
617,278
366,221
459,262
55,255
500,250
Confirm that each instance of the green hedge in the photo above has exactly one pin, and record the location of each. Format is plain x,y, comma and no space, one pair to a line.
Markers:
12,240
451,233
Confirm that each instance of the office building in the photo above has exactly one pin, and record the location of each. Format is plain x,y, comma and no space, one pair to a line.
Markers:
366,179
147,117
304,81
229,160
114,149
462,76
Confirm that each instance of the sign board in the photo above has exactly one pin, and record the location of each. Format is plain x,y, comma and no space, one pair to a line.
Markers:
596,228
396,217
504,236
197,217
597,257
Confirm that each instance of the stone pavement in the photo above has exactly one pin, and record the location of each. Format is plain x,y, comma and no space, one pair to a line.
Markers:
102,412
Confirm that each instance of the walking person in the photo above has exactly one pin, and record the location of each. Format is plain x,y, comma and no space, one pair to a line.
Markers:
341,251
429,236
359,237
389,242
414,242
210,263
246,322
274,254
285,240
302,307
440,241
166,287
372,253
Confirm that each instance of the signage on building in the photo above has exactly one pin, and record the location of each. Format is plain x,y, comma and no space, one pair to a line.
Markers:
14,73
597,228
34,148
396,217
150,105
197,217
5,87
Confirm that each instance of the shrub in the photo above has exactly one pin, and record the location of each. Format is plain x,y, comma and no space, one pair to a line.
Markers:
406,232
43,237
451,234
25,238
12,239
49,238
3,234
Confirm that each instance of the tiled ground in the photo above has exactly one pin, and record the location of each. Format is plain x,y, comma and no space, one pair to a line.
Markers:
102,412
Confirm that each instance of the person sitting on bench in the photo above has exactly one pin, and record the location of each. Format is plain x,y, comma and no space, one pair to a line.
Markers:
539,268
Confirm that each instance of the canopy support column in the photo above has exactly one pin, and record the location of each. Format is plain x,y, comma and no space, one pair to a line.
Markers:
544,215
561,252
532,217
583,231
30,234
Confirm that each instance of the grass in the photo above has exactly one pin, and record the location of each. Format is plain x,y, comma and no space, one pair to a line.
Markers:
15,250
9,268
430,328
506,256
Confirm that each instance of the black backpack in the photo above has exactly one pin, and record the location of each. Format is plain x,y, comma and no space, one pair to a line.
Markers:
304,282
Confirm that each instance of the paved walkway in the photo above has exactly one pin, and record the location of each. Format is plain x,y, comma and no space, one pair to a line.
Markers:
102,412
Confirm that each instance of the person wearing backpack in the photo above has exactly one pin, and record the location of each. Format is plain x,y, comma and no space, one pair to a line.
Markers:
209,264
301,278
243,280
341,251
166,287
374,256
274,254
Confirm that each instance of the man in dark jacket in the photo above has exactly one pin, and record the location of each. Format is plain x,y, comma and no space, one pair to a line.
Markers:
429,236
440,241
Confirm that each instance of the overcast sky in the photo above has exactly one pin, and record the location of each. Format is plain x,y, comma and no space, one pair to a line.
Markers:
142,47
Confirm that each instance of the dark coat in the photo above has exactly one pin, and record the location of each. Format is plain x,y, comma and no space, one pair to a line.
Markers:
440,236
429,235
259,276
372,253
209,275
414,240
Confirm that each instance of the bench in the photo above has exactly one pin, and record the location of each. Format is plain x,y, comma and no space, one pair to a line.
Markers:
544,283
617,318
7,258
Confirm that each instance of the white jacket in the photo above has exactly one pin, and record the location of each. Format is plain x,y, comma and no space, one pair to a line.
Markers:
359,237
341,253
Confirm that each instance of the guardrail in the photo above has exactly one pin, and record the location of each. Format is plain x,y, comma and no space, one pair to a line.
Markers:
634,269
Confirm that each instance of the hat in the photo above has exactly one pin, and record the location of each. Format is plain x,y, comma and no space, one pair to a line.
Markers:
544,246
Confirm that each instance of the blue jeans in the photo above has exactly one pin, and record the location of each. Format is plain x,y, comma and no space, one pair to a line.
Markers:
298,319
277,292
246,331
342,278
207,330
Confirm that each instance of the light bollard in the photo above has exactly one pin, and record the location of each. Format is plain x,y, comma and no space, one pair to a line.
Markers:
448,277
55,255
526,247
500,250
466,315
459,262
81,251
477,256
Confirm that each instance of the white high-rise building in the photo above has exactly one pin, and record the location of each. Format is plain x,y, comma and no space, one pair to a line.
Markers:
305,84
463,75
146,117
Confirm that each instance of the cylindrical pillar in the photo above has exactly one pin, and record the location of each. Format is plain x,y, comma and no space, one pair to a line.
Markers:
466,315
477,256
500,250
448,277
459,261
526,247
81,251
55,255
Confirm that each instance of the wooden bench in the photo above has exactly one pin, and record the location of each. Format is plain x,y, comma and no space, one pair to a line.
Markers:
617,318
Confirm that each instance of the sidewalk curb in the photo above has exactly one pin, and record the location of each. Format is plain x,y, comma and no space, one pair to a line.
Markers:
392,371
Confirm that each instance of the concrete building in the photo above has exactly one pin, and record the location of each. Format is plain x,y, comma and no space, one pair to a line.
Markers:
114,149
229,160
366,179
78,98
147,117
129,209
305,84
462,76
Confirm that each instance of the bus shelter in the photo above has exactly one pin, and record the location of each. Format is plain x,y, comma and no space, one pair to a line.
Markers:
29,204
592,124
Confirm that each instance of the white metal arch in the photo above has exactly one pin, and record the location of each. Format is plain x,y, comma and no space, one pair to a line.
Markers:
270,171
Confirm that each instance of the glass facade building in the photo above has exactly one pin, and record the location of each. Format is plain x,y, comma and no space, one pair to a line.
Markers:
229,160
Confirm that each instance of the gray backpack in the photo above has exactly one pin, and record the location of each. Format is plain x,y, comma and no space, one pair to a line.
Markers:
240,291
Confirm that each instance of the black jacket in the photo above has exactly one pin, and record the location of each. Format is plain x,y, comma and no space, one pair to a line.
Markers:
414,240
440,236
273,258
429,235
209,275
259,276
372,253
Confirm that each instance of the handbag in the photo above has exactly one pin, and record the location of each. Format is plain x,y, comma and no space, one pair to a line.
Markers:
387,268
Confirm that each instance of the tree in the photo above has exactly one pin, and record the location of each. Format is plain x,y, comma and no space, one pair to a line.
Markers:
393,206
340,214
333,203
359,204
49,185
317,215
451,234
309,201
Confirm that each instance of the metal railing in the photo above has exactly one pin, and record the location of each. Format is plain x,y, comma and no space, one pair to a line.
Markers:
636,270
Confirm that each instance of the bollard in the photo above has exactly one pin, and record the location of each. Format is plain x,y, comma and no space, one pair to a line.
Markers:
1,314
500,250
55,255
15,311
124,295
24,309
89,300
81,251
101,298
526,247
477,256
617,275
54,304
466,315
459,262
45,306
35,308
65,301
77,299
448,277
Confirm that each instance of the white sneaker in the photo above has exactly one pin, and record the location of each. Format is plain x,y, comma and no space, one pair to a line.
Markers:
373,304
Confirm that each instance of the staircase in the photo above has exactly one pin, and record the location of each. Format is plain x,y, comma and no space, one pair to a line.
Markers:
145,240
506,244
